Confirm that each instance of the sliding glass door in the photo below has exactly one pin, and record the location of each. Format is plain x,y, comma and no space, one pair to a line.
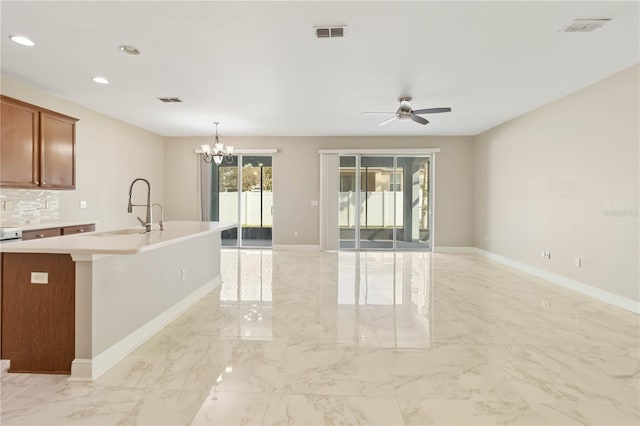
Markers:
243,193
385,202
257,201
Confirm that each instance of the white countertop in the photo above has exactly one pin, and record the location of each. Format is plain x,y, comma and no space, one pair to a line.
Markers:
111,242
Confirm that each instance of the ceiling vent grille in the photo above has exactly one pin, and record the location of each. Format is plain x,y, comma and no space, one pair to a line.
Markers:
323,32
337,32
585,25
330,32
169,100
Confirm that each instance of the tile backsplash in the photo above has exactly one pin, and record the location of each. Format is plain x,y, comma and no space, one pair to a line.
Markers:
28,207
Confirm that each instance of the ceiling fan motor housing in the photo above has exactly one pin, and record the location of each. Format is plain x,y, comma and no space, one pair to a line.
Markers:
404,110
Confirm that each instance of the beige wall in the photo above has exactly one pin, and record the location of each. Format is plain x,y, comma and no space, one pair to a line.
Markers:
110,154
565,178
296,181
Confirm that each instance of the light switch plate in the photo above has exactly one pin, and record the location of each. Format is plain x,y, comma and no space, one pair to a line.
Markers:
39,278
83,204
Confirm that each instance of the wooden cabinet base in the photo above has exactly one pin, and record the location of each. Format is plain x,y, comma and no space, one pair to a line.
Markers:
38,319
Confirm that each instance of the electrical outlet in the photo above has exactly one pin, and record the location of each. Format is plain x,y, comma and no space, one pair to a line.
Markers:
183,274
295,234
577,262
39,278
83,204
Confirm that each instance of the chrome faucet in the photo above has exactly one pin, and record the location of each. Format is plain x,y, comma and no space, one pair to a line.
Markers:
147,222
161,222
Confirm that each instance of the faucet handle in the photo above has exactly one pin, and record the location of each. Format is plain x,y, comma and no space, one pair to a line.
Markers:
142,222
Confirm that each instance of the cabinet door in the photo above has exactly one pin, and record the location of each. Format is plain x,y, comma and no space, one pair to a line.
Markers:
70,230
57,151
38,320
19,144
41,233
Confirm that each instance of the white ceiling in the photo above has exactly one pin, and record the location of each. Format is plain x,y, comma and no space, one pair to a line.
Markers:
258,69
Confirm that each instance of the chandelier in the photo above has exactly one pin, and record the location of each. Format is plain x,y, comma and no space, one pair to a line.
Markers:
217,152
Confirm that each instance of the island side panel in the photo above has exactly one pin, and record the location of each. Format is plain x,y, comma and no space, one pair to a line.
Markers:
84,321
38,316
129,291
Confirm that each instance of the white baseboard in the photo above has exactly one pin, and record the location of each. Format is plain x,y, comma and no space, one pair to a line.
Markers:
91,369
296,247
5,364
577,286
441,249
81,370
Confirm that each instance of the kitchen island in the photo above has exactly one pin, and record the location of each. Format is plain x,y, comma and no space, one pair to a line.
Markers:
119,288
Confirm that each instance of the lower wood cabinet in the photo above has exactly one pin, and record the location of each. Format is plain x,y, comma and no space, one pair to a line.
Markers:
70,230
41,233
38,319
54,232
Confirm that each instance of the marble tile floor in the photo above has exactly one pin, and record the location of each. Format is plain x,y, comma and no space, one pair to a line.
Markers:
362,338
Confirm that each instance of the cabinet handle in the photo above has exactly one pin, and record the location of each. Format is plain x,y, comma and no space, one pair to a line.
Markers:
81,230
40,235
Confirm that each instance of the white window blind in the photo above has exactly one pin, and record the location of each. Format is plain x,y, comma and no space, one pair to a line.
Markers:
329,189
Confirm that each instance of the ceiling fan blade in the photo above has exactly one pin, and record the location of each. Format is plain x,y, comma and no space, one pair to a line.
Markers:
377,112
389,121
419,119
431,110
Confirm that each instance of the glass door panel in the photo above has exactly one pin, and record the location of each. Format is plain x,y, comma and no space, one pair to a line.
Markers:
414,199
378,184
256,201
227,199
347,205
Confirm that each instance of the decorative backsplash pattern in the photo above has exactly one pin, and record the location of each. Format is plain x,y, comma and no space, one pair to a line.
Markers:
28,207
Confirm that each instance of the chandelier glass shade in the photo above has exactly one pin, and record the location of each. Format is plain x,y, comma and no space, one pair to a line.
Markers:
218,152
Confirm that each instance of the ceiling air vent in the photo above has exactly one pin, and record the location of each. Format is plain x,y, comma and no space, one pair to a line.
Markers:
585,25
167,100
323,32
337,32
330,32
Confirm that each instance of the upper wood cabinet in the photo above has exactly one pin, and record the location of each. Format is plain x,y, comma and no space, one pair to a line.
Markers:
37,148
20,144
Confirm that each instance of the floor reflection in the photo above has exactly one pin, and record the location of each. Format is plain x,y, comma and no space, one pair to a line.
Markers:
363,298
247,279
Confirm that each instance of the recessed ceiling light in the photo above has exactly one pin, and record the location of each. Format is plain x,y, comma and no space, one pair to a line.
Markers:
22,40
125,48
100,80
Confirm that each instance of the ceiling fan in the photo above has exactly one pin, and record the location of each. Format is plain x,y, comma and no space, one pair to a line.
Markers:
404,112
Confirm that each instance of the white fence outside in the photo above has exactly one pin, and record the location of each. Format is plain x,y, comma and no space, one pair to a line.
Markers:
378,211
250,208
